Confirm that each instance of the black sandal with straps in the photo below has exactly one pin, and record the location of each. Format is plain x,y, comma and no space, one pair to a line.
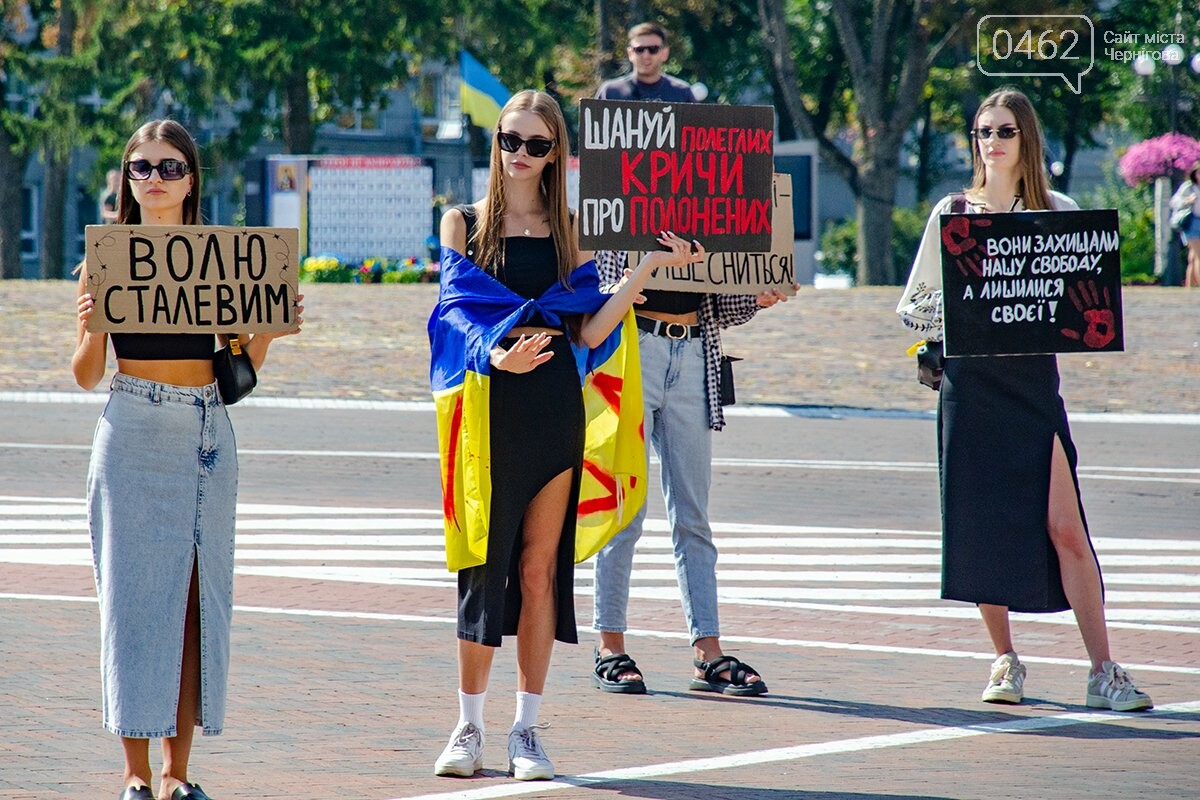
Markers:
608,671
738,684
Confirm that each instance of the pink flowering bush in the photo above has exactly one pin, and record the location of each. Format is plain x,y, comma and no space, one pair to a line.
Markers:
1159,157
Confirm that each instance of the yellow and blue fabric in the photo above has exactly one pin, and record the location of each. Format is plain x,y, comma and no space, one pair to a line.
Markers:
473,313
480,93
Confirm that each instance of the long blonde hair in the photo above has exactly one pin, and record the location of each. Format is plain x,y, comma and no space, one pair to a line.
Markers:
1034,183
488,236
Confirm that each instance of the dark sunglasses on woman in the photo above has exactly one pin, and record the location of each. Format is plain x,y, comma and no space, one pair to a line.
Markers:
983,134
537,147
169,169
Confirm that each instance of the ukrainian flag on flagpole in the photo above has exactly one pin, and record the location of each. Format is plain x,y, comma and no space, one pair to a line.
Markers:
481,94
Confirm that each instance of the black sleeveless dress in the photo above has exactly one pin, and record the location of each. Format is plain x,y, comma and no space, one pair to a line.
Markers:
537,428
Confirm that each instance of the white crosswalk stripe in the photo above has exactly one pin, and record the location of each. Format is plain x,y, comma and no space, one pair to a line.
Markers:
1149,582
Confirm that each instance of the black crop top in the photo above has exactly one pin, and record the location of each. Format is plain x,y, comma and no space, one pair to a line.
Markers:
670,302
530,264
163,346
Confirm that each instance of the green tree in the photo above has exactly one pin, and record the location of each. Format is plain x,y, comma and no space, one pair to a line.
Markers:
52,55
888,52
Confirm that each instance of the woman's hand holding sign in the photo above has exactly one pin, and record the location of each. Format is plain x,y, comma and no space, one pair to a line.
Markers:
960,243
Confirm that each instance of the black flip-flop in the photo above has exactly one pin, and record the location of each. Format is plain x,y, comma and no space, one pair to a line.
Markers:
736,686
608,670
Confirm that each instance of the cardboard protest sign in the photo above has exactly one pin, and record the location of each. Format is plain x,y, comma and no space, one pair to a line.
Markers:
701,171
1032,282
740,273
192,278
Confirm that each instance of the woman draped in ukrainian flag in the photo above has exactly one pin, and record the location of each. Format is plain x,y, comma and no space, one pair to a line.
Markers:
539,421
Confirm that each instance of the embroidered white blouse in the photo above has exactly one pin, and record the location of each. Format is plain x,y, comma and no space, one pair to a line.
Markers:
920,307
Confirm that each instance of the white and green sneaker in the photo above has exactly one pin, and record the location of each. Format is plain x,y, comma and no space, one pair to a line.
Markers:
1007,681
1113,688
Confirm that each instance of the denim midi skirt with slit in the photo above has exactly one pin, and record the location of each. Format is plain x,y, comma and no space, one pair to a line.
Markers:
162,494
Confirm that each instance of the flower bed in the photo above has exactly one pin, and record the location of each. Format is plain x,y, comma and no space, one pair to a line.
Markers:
331,269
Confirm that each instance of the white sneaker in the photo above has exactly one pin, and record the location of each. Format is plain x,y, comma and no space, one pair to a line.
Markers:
527,760
463,755
1113,688
1006,684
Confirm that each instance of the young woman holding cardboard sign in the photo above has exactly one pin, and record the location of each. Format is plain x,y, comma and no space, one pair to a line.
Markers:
1014,533
162,490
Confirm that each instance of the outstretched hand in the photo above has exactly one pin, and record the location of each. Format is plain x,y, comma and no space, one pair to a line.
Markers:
523,356
678,252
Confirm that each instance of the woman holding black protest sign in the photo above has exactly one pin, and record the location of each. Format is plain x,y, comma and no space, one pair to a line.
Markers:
1014,532
162,490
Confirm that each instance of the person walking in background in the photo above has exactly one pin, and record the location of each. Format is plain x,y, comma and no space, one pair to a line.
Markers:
519,318
1185,207
162,493
648,51
110,197
1014,532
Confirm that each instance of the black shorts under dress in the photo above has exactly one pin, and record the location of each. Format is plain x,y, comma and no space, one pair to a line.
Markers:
997,419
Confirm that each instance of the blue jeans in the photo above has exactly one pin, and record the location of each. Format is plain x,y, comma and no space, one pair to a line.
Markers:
676,413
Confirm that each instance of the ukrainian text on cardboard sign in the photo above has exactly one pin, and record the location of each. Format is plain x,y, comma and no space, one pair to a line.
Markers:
1032,282
701,171
192,278
741,273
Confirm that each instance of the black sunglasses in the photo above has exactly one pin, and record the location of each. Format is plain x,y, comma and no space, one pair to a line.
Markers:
652,49
983,134
169,169
537,147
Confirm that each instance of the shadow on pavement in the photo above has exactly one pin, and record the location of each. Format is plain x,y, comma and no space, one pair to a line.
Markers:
960,717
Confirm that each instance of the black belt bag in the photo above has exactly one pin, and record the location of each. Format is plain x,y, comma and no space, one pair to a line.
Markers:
671,330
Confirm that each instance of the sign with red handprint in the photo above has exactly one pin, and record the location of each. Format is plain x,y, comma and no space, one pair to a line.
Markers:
1031,282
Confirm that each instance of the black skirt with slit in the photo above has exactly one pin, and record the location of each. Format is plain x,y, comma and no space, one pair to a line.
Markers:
997,419
537,426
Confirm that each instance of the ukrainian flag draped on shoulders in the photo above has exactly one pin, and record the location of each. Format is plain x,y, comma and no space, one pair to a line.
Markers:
473,313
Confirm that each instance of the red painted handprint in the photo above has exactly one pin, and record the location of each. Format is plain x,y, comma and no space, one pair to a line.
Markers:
1101,323
960,243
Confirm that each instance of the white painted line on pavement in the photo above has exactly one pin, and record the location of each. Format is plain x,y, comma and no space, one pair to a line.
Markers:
100,396
803,751
1104,473
449,619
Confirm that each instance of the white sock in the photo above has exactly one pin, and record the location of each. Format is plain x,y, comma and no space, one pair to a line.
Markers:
470,708
527,709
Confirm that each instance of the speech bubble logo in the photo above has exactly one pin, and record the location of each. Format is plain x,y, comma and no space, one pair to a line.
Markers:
1016,45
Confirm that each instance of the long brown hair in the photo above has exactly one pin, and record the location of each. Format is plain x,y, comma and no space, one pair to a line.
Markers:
1034,183
167,131
489,234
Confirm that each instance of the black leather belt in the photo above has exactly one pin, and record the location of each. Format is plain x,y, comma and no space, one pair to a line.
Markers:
671,330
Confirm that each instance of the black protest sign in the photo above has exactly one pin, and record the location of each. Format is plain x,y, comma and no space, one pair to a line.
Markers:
1032,282
740,273
700,171
192,278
